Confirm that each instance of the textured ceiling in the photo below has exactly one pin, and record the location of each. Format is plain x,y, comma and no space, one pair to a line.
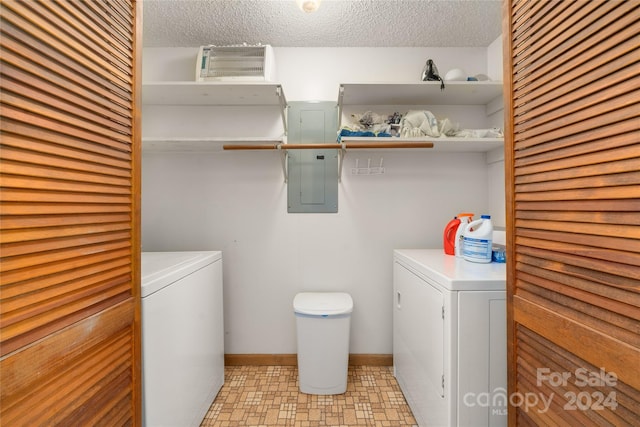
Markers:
337,23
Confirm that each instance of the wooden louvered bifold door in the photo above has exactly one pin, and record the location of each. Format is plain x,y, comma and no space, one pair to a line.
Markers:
572,83
69,295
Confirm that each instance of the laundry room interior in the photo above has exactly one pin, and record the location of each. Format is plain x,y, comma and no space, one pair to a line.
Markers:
236,201
200,194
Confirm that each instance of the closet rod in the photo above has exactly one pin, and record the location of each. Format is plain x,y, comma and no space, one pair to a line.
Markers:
346,145
343,147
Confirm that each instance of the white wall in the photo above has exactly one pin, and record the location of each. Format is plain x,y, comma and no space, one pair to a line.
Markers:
495,60
495,159
236,201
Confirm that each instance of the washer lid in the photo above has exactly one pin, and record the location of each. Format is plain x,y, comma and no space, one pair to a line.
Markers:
160,269
323,303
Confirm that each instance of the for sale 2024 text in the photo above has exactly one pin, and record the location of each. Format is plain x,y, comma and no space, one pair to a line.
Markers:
582,377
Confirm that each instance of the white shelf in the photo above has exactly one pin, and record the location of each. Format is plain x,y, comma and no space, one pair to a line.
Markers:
439,144
271,94
248,94
213,93
487,93
210,144
420,93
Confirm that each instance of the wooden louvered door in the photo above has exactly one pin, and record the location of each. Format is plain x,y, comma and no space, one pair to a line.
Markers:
70,302
572,83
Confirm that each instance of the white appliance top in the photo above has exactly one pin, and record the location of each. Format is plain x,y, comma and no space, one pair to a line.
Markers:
453,273
160,269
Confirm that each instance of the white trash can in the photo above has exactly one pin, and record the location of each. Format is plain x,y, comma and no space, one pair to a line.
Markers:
322,323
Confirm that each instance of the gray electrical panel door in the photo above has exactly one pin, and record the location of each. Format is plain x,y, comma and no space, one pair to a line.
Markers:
313,173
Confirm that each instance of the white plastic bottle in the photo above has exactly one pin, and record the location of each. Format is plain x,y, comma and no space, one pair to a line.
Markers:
478,239
465,219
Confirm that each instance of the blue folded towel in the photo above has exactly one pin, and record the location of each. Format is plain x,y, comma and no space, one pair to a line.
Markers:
347,132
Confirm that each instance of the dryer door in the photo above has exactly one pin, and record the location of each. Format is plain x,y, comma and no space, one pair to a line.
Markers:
419,345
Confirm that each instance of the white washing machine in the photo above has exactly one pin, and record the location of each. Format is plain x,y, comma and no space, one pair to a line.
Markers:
182,336
450,338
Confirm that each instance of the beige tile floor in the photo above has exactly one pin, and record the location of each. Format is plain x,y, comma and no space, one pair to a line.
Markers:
269,396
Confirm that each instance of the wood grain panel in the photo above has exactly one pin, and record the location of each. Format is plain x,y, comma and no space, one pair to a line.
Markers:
540,62
26,221
67,369
582,206
83,274
534,136
53,120
621,131
26,109
597,348
622,159
18,27
620,253
64,39
56,75
67,105
69,219
572,156
71,16
67,151
537,349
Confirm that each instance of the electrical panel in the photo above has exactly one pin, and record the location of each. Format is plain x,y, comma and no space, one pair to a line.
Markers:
313,173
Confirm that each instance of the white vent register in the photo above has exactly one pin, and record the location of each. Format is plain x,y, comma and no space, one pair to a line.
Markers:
235,63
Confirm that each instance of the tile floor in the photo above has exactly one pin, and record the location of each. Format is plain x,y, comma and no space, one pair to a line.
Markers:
269,396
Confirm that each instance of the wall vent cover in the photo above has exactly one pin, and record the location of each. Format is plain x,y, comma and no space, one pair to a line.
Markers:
235,63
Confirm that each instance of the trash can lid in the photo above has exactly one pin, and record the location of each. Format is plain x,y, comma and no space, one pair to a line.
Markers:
323,303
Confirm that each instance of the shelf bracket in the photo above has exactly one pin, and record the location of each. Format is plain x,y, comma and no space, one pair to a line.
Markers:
341,152
283,161
340,99
283,107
